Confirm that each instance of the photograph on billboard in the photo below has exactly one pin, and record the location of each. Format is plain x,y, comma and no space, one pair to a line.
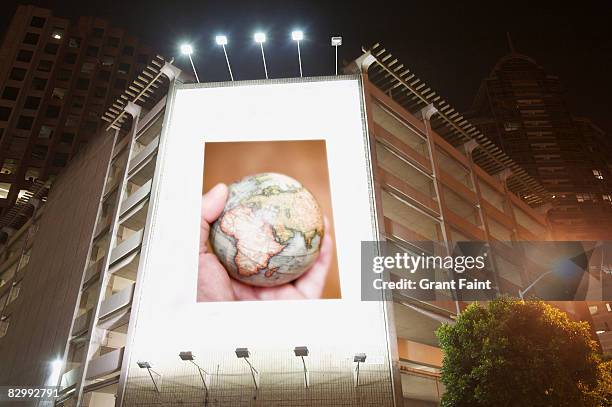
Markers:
264,193
267,224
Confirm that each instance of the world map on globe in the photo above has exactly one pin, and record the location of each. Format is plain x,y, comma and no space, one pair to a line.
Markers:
270,230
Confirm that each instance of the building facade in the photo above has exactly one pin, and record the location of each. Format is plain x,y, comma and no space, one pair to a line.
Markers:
428,188
57,78
521,107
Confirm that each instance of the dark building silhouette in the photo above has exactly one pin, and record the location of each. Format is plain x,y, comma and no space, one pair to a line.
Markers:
57,77
522,109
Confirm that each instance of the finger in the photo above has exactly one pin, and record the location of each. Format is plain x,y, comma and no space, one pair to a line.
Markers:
312,283
213,203
213,281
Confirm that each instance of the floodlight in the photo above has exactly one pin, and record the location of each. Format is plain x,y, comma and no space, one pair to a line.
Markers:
259,37
221,40
301,352
186,49
144,365
359,358
186,355
297,35
243,352
336,42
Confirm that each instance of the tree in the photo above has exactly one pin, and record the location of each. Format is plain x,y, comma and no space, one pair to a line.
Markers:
516,353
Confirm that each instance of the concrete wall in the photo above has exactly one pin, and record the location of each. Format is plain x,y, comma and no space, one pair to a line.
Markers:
42,315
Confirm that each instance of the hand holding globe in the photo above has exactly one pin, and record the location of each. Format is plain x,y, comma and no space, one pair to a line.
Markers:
215,283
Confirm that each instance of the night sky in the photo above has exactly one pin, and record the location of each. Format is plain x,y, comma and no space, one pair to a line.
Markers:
451,45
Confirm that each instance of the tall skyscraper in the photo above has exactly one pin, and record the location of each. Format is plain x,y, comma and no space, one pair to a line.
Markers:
521,107
57,77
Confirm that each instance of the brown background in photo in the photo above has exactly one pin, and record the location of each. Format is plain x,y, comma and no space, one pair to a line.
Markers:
306,161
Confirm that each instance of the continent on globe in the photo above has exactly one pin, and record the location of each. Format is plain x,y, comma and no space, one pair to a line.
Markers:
270,230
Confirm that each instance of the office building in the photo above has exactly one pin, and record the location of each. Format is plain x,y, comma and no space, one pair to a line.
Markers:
57,78
71,325
521,108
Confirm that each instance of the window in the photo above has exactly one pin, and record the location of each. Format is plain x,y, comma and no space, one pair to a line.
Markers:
37,22
39,152
100,91
24,55
88,67
31,175
60,159
17,74
394,164
72,120
9,167
31,38
14,292
97,32
104,75
74,42
128,50
82,83
108,60
39,83
92,51
78,102
64,75
25,122
609,307
5,112
10,93
70,58
584,197
45,132
113,42
45,65
4,191
123,68
511,126
57,33
31,102
423,227
51,48
67,138
598,174
454,168
52,111
4,324
59,93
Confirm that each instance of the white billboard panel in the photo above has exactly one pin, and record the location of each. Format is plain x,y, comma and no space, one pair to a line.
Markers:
170,319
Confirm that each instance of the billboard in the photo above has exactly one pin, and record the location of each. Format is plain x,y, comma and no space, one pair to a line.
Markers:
261,198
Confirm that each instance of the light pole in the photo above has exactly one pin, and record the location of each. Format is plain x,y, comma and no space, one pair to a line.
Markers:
260,38
222,40
298,36
336,42
521,293
187,49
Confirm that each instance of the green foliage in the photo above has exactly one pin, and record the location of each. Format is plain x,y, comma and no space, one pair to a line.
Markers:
515,353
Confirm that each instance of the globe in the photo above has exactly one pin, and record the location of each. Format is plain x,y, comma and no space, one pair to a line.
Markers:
270,230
